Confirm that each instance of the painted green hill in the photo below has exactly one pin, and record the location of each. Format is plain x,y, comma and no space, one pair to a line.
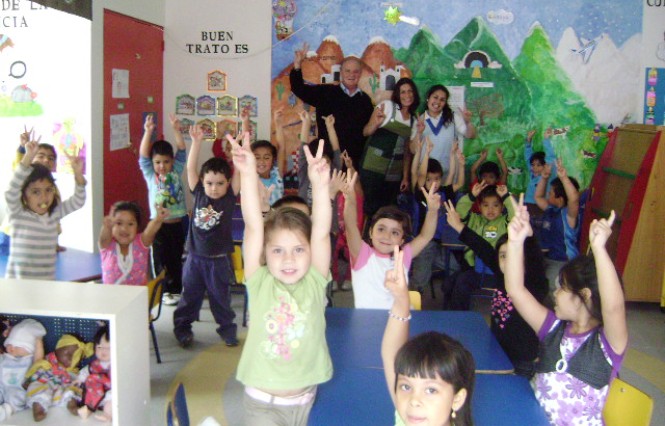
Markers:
556,104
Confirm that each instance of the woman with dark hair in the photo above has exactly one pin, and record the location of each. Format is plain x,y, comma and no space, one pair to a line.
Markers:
385,165
442,126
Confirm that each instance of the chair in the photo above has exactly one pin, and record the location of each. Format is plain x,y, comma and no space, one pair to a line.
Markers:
169,414
415,300
155,289
239,287
180,406
627,405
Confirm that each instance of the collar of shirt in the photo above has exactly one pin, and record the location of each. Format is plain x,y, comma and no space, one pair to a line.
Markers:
348,92
435,120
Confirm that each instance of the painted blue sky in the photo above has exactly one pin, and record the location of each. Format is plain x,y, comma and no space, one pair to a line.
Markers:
355,22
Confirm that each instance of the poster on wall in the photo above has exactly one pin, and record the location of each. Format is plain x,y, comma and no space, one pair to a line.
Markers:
654,96
120,86
119,126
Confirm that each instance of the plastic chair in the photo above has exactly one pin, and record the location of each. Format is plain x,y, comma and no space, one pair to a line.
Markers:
415,300
169,414
180,406
239,287
627,405
155,289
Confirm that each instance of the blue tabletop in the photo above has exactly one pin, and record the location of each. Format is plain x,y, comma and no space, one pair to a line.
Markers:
354,336
359,396
70,265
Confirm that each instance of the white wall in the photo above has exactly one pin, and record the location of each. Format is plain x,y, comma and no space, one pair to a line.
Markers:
248,73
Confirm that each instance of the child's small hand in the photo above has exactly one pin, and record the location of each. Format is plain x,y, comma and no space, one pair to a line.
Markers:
416,145
108,220
175,123
243,157
26,135
420,125
348,162
466,114
453,217
244,114
461,159
430,145
499,153
502,190
530,134
149,125
264,195
330,120
196,133
519,227
337,181
304,115
561,171
318,168
31,148
600,231
548,133
277,117
76,162
349,188
547,171
300,55
162,213
483,155
378,115
454,148
395,279
478,188
433,198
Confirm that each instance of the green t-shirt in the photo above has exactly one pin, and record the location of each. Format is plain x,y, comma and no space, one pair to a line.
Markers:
286,345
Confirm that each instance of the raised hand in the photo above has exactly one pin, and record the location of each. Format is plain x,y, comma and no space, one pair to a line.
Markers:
600,231
337,182
304,115
478,188
561,171
76,162
300,55
378,115
483,155
243,157
175,122
395,281
27,135
466,114
348,189
499,153
433,198
548,133
547,171
430,145
530,134
277,117
453,218
196,133
162,213
329,120
318,169
348,162
461,159
501,190
149,124
519,227
264,195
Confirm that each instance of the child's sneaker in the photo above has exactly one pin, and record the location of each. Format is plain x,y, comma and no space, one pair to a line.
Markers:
170,299
346,285
335,286
185,339
231,341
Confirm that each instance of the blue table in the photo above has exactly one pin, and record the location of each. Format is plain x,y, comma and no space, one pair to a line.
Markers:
359,396
70,265
354,336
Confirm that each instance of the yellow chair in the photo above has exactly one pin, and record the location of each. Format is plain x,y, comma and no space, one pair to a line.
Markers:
627,406
155,290
415,300
239,287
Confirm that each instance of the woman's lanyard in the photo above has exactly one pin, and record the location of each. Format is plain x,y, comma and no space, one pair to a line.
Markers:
125,263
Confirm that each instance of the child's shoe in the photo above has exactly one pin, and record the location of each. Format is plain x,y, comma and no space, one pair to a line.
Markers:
346,285
170,299
231,341
185,339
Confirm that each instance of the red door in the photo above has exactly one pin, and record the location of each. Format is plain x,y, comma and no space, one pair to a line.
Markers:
137,46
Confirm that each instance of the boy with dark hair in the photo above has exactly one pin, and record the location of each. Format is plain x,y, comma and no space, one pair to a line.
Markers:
490,224
208,268
428,172
537,161
488,172
561,224
162,172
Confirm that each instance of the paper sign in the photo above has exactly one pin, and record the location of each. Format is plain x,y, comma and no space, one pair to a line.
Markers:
119,131
456,99
120,86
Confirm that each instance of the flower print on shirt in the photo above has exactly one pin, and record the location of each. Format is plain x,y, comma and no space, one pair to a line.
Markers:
285,326
206,218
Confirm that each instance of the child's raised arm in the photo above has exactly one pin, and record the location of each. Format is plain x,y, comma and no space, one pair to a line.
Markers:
148,128
148,235
196,134
177,133
416,145
397,327
609,286
452,164
318,171
353,237
518,230
459,183
474,167
572,194
503,165
105,236
334,141
422,168
429,224
540,195
281,141
245,163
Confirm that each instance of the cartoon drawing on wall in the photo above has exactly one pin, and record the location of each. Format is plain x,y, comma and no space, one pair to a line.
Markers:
205,105
227,127
185,105
20,103
185,124
5,42
68,142
249,103
654,96
660,49
208,128
536,69
216,81
227,105
284,12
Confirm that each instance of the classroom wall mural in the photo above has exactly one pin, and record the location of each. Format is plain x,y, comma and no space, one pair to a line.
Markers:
570,66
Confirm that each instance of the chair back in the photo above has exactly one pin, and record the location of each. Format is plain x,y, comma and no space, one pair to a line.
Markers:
238,267
180,406
415,300
627,405
155,290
